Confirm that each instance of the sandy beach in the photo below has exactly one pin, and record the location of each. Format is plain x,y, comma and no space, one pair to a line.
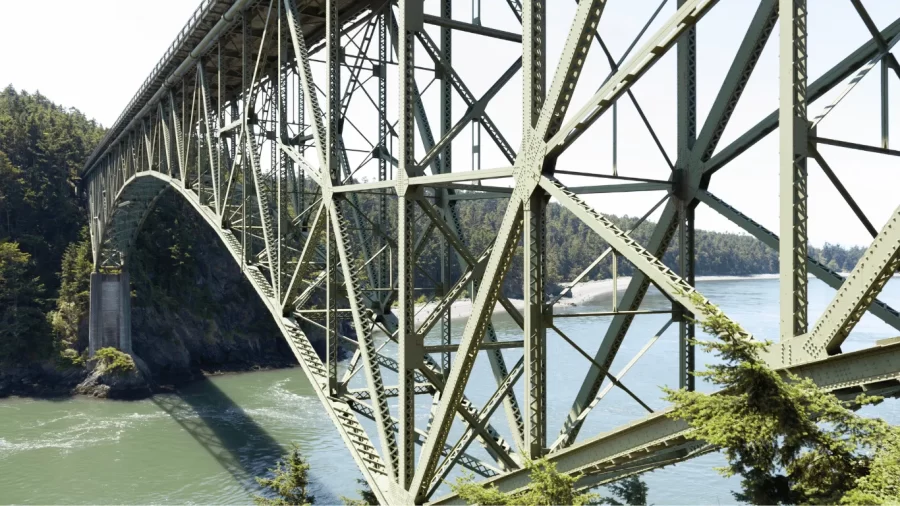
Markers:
581,294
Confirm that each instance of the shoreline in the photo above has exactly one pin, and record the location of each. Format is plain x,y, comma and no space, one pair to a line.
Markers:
580,294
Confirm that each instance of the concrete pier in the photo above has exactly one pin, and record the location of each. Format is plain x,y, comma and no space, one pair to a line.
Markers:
110,318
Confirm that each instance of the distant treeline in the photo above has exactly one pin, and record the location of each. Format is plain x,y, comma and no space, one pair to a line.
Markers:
572,246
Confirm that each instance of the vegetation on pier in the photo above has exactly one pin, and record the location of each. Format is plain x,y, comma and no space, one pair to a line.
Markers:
114,361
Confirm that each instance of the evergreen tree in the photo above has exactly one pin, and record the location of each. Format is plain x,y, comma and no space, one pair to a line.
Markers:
790,442
74,300
24,333
549,486
42,148
289,482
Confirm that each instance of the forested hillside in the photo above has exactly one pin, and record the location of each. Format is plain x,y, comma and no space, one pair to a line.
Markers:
191,311
42,147
572,246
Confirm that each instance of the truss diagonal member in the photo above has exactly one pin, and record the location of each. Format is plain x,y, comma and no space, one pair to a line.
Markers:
498,364
475,110
866,53
870,25
855,80
880,261
615,381
587,270
484,415
621,374
167,137
210,132
306,80
313,238
736,79
618,328
886,313
493,442
262,201
462,250
839,186
179,139
430,373
469,462
492,130
568,71
498,265
686,16
664,278
367,342
444,305
299,159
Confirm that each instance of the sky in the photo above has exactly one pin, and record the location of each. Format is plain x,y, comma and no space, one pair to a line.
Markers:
94,54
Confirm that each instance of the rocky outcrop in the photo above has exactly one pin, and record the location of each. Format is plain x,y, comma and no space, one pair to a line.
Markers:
43,379
106,382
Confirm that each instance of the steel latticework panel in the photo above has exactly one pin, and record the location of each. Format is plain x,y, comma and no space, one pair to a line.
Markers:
317,139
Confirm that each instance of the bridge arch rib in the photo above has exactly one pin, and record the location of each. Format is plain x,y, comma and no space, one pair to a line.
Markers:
135,201
327,193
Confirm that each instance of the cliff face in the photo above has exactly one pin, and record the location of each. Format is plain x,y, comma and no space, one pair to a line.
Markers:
193,311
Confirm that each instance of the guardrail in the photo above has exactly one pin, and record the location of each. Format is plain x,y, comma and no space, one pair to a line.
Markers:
199,14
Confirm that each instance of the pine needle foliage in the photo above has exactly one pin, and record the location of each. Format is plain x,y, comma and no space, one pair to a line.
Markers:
548,487
115,361
289,482
789,441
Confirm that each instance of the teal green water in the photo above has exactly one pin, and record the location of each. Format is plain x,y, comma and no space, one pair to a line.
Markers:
205,443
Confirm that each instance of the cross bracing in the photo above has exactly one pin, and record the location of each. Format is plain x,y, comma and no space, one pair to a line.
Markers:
321,140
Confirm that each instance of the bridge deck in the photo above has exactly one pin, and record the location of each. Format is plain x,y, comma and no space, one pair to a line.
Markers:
215,21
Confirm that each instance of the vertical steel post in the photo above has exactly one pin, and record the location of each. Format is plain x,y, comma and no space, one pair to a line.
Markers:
885,118
332,133
534,24
301,170
476,122
283,164
687,135
220,122
686,327
793,142
446,125
409,351
245,88
615,139
333,98
384,259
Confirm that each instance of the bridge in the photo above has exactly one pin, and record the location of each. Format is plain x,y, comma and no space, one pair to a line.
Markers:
273,120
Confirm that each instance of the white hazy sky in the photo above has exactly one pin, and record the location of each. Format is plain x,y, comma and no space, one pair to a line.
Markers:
94,54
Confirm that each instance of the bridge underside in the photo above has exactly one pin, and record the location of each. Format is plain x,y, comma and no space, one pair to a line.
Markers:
321,141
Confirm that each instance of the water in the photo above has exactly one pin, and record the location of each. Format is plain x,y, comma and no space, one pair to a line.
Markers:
205,443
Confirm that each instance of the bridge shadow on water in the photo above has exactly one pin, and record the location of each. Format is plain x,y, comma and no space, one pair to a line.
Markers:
237,442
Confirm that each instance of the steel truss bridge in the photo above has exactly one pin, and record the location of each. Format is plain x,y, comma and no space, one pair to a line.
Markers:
272,119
